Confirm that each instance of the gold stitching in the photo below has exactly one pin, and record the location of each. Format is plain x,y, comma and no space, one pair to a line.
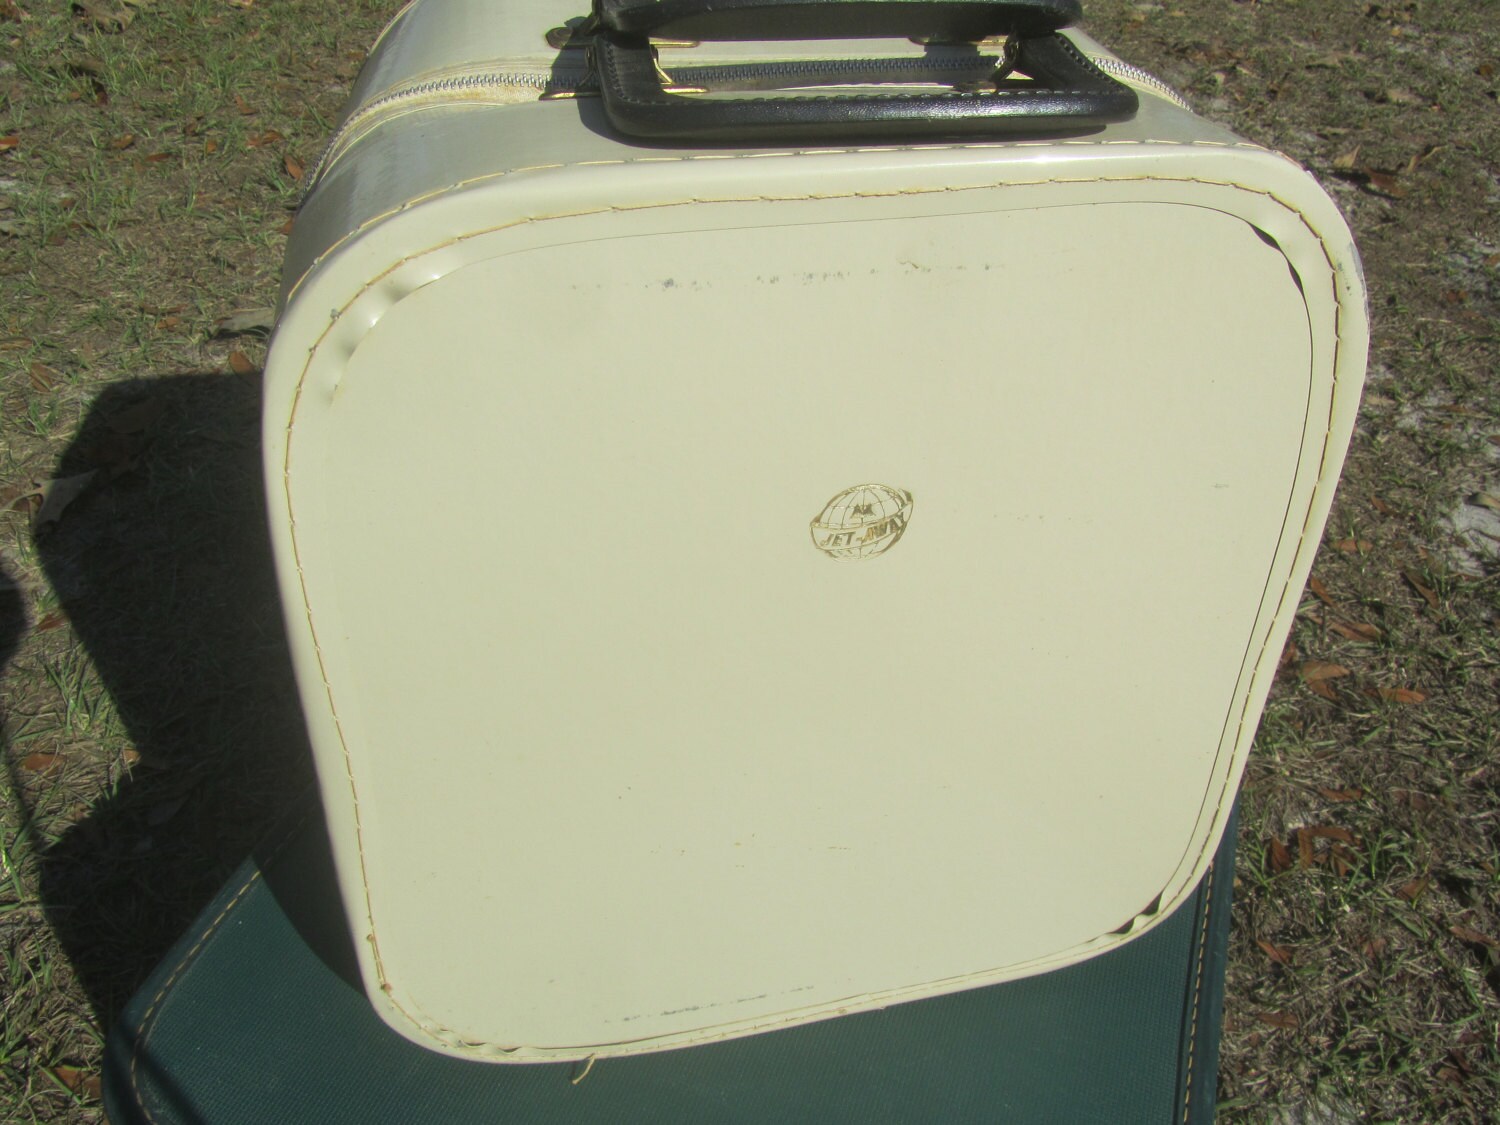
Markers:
1208,896
142,1032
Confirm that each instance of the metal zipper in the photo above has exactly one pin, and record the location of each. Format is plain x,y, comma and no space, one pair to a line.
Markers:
460,87
1133,75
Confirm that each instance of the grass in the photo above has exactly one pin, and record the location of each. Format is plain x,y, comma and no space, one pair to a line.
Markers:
148,728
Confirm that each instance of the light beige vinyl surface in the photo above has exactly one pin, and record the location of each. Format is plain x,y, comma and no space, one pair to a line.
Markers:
615,757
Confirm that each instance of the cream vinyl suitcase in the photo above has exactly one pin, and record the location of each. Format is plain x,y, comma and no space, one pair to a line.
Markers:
736,582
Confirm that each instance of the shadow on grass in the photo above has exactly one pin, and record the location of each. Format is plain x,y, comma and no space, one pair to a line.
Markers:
164,569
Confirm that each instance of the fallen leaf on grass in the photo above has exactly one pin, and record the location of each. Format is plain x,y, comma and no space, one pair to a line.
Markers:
1381,506
42,763
286,227
1341,796
9,141
122,142
245,108
79,1081
240,363
1283,1020
1373,947
293,167
1398,695
258,321
158,157
169,324
1429,595
1314,671
1412,890
1320,591
1355,631
57,494
130,756
53,620
1278,953
257,140
1290,656
210,147
1281,859
1473,937
1352,546
43,378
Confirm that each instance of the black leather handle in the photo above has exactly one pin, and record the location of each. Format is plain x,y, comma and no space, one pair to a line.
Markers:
949,20
1066,92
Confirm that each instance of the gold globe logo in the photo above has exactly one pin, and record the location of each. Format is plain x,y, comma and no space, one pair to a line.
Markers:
862,522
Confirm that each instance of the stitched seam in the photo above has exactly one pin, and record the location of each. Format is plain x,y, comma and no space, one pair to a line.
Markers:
144,1028
992,146
1208,895
440,1031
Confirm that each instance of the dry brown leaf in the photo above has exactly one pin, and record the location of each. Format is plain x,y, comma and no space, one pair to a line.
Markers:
293,167
1373,947
1412,890
286,227
1401,695
1381,506
1385,183
1350,546
158,157
210,147
1325,689
57,494
1473,937
42,763
123,141
1278,953
1315,670
1283,1020
1355,631
54,620
1320,591
1290,656
258,321
1429,595
79,1081
257,140
169,324
1347,162
43,378
1304,848
240,363
9,141
1340,796
1281,859
130,756
245,108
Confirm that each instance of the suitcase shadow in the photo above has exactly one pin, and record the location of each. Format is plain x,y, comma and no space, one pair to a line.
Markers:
163,567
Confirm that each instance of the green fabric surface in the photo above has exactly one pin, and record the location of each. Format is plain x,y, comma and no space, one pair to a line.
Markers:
253,1018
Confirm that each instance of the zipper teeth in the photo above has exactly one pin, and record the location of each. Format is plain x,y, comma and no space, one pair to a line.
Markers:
1129,72
454,84
462,83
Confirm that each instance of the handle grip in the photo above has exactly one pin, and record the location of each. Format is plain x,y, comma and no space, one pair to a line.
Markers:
948,20
1067,92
